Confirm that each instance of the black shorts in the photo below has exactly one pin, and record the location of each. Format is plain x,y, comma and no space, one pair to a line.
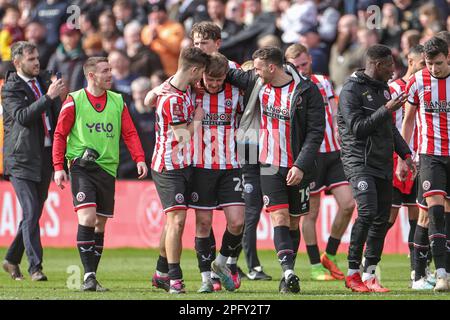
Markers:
92,188
330,172
173,188
401,199
434,175
212,189
278,195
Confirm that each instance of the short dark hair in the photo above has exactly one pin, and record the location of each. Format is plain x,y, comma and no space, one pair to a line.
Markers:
21,47
91,63
434,47
417,50
207,30
378,52
269,54
193,57
444,35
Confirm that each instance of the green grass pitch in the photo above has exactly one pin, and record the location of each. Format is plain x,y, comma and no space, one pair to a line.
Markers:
127,273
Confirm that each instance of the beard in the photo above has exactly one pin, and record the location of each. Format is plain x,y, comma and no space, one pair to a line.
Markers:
30,72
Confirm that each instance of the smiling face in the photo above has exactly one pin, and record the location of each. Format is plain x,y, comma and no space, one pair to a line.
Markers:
213,84
385,69
264,70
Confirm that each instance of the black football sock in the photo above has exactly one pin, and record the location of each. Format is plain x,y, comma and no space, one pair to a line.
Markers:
295,237
283,247
437,235
313,254
99,241
162,265
412,230
421,249
175,272
230,243
447,232
203,249
332,246
86,246
212,241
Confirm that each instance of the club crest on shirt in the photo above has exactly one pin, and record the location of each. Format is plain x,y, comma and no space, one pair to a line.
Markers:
178,110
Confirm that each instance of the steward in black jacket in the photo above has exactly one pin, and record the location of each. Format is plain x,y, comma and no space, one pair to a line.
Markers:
368,139
366,128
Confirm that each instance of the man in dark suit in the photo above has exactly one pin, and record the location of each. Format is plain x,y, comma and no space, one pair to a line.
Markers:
31,104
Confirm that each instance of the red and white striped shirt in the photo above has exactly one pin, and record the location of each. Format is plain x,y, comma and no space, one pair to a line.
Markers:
214,142
396,87
275,139
432,97
329,143
172,109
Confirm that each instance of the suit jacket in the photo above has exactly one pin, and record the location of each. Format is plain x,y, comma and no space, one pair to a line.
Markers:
24,131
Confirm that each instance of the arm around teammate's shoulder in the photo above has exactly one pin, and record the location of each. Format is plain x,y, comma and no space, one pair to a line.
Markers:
244,80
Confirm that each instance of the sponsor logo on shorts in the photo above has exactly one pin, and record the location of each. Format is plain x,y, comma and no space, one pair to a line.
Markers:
362,185
179,198
194,196
81,196
426,185
387,95
248,188
312,185
266,200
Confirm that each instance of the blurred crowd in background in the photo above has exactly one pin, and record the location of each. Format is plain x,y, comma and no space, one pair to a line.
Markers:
143,38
